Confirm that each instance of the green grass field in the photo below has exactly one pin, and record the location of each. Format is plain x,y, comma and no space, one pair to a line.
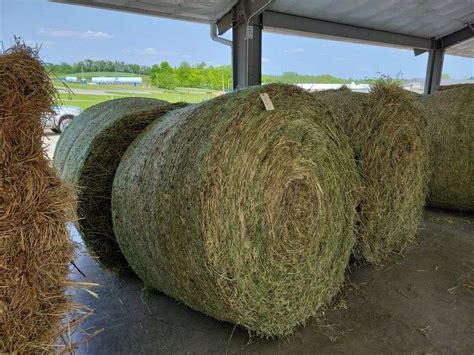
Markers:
85,96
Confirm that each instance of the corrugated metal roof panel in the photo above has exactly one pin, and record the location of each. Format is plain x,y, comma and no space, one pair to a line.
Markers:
419,18
196,11
464,49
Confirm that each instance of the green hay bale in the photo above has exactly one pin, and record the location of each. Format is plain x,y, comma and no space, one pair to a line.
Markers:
387,129
241,213
451,131
87,155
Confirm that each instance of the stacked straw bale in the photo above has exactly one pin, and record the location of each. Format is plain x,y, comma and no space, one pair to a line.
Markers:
87,156
387,130
244,214
451,132
35,248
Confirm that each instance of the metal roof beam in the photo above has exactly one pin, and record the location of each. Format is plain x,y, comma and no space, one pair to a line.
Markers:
243,11
304,25
225,23
450,40
457,37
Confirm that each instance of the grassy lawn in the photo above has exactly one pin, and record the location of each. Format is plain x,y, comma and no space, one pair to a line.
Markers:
85,100
82,101
86,95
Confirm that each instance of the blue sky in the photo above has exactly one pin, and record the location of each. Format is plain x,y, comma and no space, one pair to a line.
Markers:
72,33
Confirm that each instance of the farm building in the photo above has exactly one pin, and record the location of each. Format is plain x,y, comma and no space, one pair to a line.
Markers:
126,80
275,218
70,79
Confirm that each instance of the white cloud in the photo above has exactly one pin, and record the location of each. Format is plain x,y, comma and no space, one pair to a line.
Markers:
149,51
294,50
74,34
266,60
186,56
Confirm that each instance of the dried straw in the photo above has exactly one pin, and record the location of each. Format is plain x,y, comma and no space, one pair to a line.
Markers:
387,129
87,156
244,214
451,131
35,248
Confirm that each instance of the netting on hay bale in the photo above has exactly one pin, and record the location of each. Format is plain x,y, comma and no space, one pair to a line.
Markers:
451,133
387,129
241,213
35,248
87,156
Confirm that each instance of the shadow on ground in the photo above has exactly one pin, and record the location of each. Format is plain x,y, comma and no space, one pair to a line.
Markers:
422,303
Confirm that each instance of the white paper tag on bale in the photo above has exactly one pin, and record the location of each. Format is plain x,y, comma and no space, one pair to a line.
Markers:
267,102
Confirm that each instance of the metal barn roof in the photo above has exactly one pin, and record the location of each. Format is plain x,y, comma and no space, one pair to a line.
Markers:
434,18
398,23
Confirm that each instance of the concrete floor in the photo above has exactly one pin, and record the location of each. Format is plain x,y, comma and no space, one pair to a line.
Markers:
50,139
422,303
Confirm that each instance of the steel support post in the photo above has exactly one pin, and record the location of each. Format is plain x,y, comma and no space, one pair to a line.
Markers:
246,54
434,68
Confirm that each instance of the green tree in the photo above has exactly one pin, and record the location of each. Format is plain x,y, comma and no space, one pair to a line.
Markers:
165,67
163,76
183,73
168,80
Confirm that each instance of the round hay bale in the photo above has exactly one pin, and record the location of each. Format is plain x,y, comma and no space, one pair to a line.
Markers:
453,86
87,155
387,130
241,213
451,132
35,247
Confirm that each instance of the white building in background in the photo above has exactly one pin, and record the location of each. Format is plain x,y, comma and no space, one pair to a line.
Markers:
124,80
414,85
321,87
70,79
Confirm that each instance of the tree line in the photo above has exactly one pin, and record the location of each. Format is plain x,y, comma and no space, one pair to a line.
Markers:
293,78
163,75
89,65
200,75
